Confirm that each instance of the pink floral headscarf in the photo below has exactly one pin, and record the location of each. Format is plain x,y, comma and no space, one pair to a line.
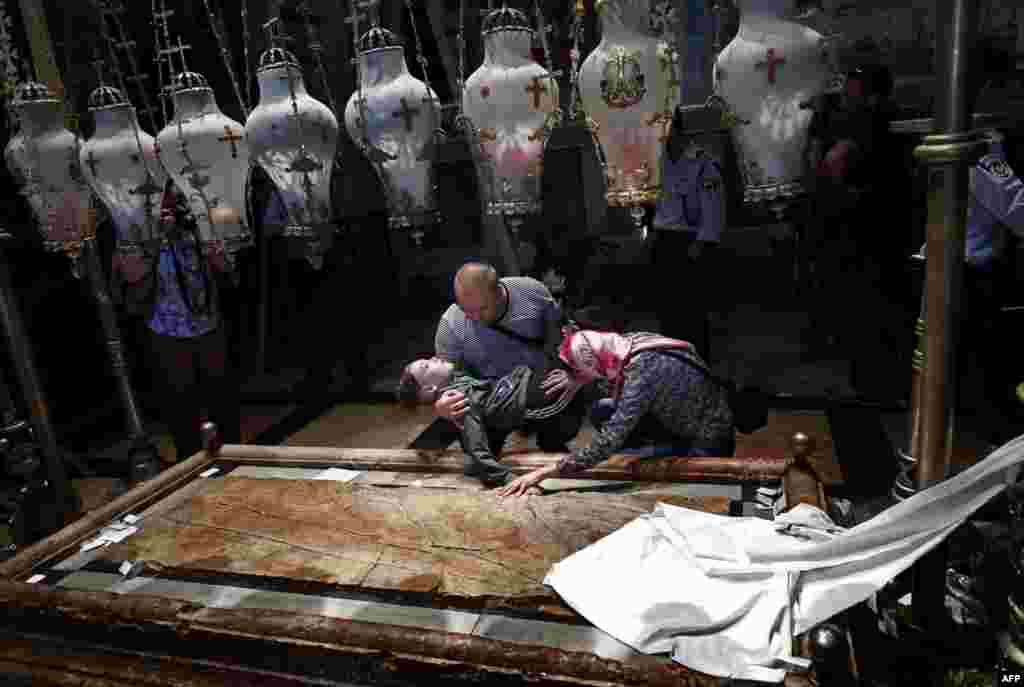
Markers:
593,354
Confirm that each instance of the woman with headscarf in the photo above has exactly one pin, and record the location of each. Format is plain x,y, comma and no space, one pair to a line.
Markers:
663,402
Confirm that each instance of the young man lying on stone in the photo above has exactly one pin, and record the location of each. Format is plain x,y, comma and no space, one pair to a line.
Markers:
496,408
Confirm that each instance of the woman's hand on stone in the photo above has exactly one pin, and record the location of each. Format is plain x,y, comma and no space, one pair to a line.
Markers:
523,486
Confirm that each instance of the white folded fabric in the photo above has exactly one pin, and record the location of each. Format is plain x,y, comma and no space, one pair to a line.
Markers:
726,595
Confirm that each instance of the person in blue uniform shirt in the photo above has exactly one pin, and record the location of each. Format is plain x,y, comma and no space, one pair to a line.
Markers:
995,219
688,226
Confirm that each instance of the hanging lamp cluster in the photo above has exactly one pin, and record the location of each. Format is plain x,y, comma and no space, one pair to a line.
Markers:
624,92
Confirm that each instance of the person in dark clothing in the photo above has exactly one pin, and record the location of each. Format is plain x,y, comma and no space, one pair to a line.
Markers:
186,325
495,408
861,172
688,226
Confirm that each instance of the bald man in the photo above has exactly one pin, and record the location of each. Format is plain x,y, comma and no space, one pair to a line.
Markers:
497,324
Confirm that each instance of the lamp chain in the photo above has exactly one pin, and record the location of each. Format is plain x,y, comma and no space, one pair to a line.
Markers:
159,45
226,57
461,74
575,105
13,65
317,48
179,121
113,9
421,56
360,98
246,41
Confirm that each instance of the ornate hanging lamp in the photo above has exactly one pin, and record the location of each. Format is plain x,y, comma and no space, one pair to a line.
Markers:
770,69
43,157
120,164
207,156
293,137
629,88
394,118
513,103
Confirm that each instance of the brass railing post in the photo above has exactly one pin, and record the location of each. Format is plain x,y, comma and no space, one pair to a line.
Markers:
949,154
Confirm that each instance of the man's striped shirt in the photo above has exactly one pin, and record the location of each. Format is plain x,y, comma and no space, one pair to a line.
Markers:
491,353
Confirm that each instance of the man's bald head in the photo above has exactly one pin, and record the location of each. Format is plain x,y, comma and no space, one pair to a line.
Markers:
478,293
478,277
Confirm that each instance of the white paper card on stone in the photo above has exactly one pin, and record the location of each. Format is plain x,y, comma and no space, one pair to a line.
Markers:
338,475
120,535
35,579
125,568
210,472
94,544
131,519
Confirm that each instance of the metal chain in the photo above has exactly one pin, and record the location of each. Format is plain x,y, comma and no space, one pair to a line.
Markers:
360,100
115,9
13,66
555,118
182,143
158,46
165,93
421,56
226,57
574,55
461,75
542,30
115,65
317,48
246,41
296,115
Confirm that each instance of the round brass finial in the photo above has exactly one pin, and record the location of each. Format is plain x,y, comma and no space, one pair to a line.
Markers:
801,445
210,437
1020,392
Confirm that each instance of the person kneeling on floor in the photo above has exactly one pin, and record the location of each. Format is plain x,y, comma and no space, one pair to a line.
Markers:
663,402
495,408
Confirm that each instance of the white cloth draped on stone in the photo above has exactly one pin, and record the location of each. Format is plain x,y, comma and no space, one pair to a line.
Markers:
726,595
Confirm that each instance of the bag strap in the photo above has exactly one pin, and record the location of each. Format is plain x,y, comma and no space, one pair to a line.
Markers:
726,384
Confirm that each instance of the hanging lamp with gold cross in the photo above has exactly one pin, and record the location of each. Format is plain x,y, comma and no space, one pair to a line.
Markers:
397,117
293,137
207,156
513,102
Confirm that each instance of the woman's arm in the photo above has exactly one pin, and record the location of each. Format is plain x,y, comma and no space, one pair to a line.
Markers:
638,394
639,389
